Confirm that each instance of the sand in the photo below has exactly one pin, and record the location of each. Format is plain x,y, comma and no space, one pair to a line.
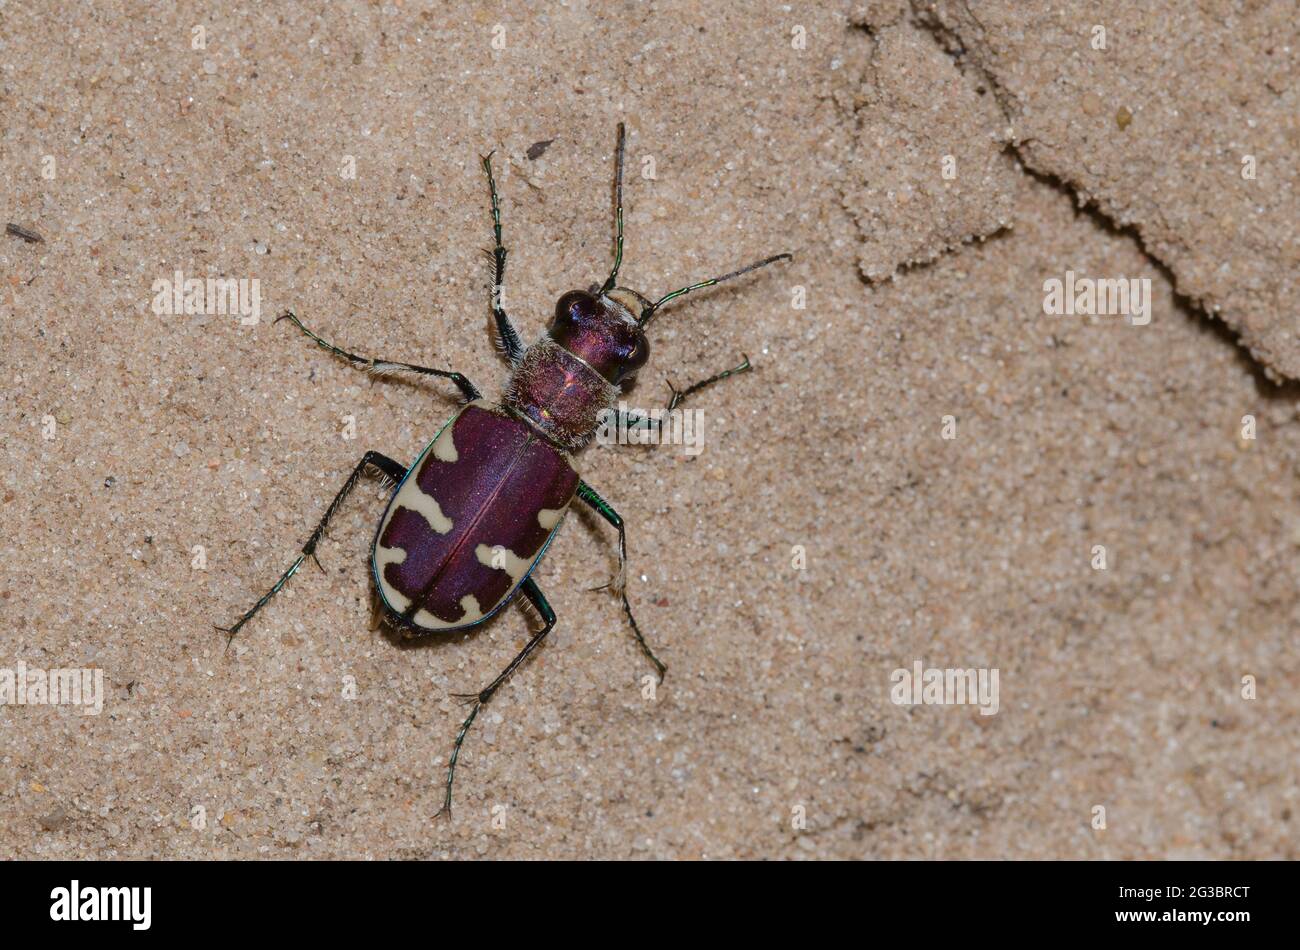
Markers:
163,469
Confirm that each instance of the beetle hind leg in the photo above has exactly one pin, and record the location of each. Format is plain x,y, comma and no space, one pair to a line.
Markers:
381,463
537,599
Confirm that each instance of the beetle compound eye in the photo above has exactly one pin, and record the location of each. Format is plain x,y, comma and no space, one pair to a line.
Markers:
637,355
575,309
579,321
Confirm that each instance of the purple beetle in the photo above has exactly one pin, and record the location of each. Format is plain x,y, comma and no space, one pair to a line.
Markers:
472,517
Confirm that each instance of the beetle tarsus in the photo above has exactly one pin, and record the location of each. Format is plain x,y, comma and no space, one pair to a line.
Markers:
679,395
451,762
230,634
645,646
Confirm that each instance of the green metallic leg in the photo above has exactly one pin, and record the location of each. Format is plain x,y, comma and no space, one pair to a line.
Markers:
386,466
534,594
506,332
379,367
619,582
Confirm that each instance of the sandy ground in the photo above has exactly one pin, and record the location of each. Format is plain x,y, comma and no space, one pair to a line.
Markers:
161,470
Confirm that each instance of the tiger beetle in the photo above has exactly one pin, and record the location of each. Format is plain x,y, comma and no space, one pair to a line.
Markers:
469,521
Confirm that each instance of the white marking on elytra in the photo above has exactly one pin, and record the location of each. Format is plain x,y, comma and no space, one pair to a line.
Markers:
415,498
471,611
385,556
548,518
444,449
469,605
503,559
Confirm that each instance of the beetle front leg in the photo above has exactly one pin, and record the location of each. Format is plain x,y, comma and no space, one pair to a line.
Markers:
535,596
386,466
379,367
508,335
677,397
619,582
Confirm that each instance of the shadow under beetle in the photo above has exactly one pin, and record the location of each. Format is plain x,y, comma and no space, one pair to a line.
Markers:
471,519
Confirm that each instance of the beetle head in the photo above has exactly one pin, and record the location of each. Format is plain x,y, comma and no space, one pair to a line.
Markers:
600,328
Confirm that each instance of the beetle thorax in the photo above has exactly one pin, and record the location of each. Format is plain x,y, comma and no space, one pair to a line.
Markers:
571,376
560,394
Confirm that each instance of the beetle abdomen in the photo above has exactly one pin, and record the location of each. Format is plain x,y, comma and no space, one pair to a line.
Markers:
470,520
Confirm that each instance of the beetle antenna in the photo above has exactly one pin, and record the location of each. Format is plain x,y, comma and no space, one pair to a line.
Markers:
648,313
618,212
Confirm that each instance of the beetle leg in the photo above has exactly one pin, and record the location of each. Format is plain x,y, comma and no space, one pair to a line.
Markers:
534,594
506,332
380,367
619,581
627,420
386,466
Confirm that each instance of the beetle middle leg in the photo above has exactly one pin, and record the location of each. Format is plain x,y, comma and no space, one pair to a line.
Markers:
390,469
619,583
379,367
535,596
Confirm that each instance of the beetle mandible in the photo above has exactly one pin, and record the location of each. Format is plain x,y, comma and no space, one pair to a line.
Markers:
469,521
